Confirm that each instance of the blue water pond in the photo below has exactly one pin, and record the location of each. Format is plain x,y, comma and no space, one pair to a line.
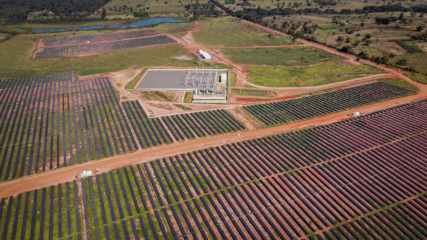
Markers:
139,23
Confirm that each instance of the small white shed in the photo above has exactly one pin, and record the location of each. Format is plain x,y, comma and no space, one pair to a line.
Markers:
205,54
86,173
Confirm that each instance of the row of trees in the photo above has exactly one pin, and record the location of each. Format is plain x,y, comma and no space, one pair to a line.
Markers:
256,14
20,10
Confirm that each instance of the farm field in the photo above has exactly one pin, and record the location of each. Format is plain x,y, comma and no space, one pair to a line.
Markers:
58,120
320,104
296,66
228,31
322,182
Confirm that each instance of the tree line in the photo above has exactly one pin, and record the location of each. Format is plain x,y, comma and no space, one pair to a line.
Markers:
20,10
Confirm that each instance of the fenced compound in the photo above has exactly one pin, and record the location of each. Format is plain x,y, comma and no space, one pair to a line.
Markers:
361,178
97,47
321,104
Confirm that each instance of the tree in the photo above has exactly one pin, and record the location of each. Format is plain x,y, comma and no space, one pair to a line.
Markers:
401,62
103,13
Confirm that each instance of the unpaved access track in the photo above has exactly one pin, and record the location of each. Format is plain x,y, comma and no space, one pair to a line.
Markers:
65,174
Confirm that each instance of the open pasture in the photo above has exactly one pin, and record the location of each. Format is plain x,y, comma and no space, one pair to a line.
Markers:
359,178
321,104
292,56
296,66
228,31
305,76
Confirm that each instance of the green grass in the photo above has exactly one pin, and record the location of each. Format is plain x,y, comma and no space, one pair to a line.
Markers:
132,83
176,29
228,31
188,97
280,56
411,48
418,77
156,96
302,76
182,107
4,36
416,61
14,59
233,79
400,83
252,92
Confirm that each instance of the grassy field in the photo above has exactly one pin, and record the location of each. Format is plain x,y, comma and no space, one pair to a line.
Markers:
421,78
416,61
408,46
157,96
176,29
3,36
400,83
132,83
302,76
15,61
228,31
295,67
280,56
252,92
188,97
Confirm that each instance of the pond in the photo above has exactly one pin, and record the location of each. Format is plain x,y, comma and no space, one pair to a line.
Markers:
139,23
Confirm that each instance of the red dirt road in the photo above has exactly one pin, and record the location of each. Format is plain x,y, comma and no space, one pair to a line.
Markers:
62,175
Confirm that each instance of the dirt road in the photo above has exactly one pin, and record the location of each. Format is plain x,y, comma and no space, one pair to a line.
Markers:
62,175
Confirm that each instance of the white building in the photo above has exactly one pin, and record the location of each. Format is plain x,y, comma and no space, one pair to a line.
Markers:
205,54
